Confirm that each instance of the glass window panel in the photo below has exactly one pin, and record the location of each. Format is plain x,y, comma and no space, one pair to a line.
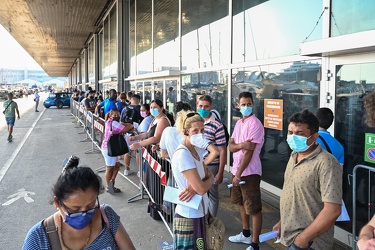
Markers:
166,40
132,41
171,86
352,83
213,83
113,43
144,39
349,17
296,85
205,29
258,29
83,68
91,61
106,50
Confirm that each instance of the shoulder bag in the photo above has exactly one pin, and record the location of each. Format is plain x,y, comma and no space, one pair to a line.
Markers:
215,231
116,144
7,107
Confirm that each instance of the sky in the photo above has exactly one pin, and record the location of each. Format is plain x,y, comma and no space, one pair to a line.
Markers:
12,55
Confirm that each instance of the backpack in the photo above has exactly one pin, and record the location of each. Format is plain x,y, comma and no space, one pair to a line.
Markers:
128,115
227,137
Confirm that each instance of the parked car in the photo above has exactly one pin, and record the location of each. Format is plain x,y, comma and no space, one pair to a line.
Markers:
57,99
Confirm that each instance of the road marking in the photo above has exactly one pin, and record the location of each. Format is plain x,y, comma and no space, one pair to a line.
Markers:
21,193
9,162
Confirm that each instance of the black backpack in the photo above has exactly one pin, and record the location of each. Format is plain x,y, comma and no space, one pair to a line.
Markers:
227,137
127,114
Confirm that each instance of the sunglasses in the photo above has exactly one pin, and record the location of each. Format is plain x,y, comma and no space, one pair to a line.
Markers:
188,116
77,214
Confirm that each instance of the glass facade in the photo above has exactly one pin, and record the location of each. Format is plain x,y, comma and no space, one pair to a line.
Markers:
294,86
91,61
257,33
213,83
353,81
205,33
349,17
143,26
83,68
166,40
108,44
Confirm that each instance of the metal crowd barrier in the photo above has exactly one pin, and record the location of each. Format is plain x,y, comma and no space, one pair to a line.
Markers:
355,190
155,172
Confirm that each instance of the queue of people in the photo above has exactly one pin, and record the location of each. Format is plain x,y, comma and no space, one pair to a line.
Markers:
197,147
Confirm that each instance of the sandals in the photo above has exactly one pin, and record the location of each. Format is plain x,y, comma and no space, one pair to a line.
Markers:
112,189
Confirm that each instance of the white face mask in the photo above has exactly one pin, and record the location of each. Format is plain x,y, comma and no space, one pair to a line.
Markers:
198,140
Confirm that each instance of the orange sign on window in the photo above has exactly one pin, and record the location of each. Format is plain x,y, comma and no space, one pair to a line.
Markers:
273,114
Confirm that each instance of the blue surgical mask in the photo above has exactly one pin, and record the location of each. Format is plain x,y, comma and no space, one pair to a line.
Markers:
298,143
246,111
154,112
80,221
204,113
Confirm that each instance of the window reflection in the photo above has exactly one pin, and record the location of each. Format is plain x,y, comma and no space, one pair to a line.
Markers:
205,28
257,33
296,85
213,83
349,17
352,84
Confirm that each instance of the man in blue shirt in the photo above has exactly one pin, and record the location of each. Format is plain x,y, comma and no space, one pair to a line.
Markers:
326,140
109,103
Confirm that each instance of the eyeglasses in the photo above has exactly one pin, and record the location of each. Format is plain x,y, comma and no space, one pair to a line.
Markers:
77,214
188,116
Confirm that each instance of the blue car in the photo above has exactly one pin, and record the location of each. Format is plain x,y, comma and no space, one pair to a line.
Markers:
57,99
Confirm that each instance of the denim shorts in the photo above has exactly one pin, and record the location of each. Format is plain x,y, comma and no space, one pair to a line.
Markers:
10,120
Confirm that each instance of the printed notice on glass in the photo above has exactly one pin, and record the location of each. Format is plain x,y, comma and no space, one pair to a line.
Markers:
273,114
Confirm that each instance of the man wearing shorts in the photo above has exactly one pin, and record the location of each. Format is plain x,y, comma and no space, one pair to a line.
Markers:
246,143
10,109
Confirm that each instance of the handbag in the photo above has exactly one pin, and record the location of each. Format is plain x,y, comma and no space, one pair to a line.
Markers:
117,145
215,231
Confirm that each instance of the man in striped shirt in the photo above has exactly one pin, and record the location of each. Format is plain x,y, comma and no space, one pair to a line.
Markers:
213,131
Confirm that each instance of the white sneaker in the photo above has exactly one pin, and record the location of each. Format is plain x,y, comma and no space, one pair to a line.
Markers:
251,247
239,238
126,172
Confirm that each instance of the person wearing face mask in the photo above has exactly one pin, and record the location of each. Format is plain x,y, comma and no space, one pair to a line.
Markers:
172,138
246,144
189,170
90,102
112,164
310,201
147,139
130,117
147,118
79,220
109,103
214,131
